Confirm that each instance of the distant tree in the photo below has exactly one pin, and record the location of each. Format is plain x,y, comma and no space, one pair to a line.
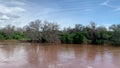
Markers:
102,35
78,38
97,35
67,38
33,30
78,28
19,30
115,38
68,30
8,31
90,31
75,29
1,35
50,32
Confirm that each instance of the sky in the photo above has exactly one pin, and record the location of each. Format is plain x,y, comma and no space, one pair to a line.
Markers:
64,12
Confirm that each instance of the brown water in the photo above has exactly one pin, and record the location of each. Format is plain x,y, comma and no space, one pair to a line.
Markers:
26,55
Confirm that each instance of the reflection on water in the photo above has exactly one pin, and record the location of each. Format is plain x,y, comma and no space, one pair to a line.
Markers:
26,55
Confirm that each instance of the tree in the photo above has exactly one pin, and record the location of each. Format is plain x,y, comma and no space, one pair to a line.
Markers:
91,34
78,28
1,35
8,31
78,38
102,35
115,38
97,35
50,32
67,38
33,30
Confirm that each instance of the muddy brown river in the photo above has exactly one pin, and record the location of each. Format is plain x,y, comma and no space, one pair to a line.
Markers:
27,55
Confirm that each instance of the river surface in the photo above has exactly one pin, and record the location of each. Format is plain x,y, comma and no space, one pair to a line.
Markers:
27,55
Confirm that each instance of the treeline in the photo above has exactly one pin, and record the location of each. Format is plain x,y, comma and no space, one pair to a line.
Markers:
48,32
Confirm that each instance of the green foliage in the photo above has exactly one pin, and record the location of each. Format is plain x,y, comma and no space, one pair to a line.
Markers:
14,35
67,38
18,36
78,38
49,32
43,40
1,37
115,37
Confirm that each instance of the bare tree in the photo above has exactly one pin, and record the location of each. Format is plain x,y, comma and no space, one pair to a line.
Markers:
8,30
33,30
79,28
50,32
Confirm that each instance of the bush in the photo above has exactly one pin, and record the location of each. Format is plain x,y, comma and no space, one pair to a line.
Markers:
67,38
1,37
78,38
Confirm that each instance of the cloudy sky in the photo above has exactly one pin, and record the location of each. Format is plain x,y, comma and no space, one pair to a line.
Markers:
64,12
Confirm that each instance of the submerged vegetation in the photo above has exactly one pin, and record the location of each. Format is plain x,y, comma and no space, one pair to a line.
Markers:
47,32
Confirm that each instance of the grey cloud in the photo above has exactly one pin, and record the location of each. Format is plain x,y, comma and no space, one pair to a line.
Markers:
15,16
9,17
10,9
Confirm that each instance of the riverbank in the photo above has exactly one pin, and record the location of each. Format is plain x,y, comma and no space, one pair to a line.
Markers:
5,42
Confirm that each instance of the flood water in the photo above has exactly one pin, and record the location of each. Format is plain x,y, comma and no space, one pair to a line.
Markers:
27,55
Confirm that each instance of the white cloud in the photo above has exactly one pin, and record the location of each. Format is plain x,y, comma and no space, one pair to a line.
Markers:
4,17
17,2
106,3
117,9
88,9
10,10
13,2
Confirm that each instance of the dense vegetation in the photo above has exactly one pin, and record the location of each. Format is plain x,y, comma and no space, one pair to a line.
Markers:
47,32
